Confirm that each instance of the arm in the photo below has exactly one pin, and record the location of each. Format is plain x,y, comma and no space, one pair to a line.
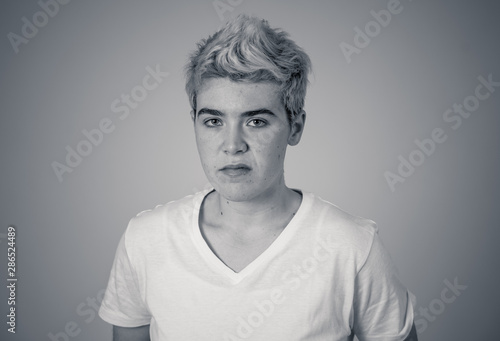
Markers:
382,305
122,304
131,334
413,335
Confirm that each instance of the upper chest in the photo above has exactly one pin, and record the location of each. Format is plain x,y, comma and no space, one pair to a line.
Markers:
235,250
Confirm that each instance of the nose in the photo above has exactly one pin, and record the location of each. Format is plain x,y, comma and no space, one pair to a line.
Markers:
234,141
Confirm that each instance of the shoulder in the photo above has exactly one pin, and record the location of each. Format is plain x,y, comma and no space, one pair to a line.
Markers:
344,230
150,225
336,217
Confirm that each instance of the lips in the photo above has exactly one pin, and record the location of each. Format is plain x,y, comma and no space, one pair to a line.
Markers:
234,170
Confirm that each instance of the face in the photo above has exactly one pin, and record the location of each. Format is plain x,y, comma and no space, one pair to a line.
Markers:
242,132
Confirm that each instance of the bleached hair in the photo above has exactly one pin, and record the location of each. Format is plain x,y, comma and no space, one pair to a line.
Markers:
247,49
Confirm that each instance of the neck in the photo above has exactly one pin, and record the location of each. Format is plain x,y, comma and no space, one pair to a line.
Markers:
271,211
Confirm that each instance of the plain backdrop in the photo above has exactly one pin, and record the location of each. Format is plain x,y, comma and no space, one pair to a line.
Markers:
440,223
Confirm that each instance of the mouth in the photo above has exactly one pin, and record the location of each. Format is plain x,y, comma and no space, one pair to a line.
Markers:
235,170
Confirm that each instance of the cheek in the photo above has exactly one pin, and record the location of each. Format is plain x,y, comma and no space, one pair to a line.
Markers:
206,153
204,141
272,151
272,138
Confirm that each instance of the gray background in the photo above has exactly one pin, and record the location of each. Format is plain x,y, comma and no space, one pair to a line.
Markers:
440,224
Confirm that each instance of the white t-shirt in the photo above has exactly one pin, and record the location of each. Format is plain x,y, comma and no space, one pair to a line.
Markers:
326,277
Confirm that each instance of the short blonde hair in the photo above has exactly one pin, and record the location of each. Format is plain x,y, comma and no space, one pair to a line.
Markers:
247,49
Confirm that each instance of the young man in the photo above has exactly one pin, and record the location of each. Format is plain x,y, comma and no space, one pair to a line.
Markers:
251,258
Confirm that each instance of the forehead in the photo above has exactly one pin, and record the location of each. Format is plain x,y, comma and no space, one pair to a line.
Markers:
228,96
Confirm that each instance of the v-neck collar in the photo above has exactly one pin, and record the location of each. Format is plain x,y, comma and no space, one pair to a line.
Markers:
275,248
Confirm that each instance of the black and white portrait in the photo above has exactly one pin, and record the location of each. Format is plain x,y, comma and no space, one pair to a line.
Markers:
249,170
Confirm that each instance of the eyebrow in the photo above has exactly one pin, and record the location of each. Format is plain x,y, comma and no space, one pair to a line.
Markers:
250,113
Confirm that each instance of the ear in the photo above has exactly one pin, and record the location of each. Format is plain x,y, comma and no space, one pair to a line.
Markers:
297,128
193,115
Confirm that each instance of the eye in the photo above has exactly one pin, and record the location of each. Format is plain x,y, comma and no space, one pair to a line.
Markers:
257,122
213,122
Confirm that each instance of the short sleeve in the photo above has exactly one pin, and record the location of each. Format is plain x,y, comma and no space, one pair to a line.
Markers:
383,307
123,304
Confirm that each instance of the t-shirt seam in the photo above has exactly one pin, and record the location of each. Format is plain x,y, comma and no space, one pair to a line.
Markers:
109,316
132,262
372,242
